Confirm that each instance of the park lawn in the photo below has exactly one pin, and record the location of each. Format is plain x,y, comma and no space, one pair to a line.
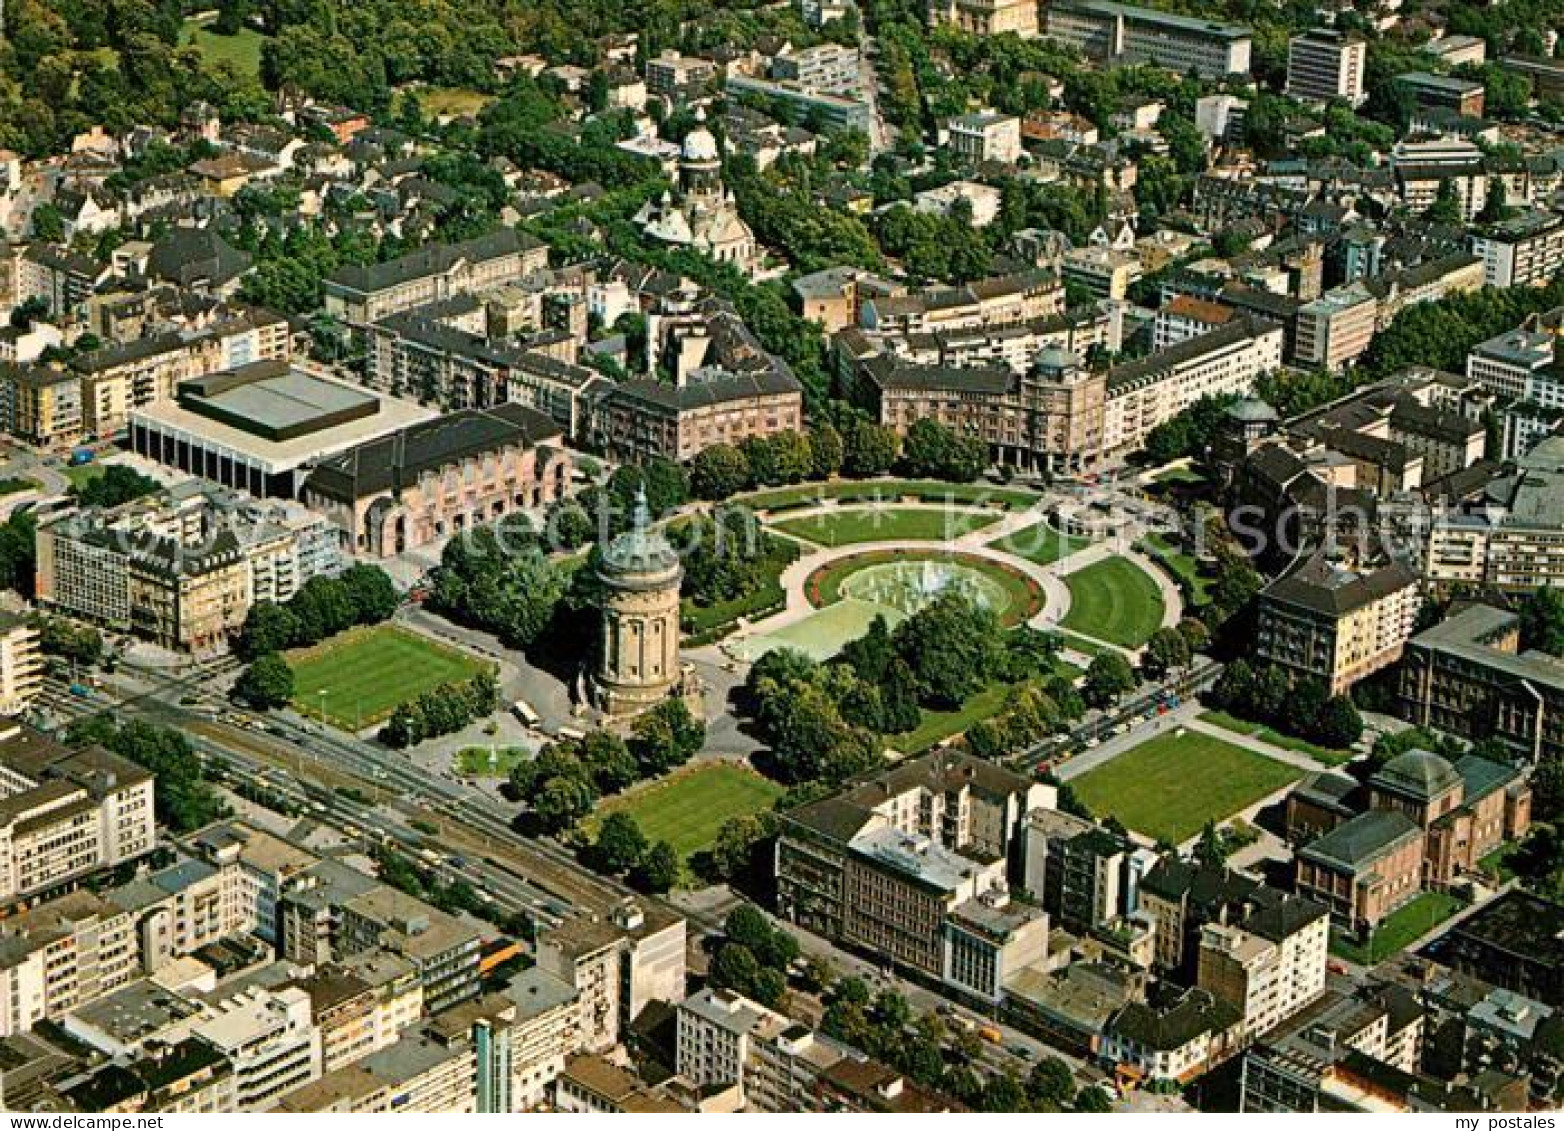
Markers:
688,808
366,673
886,491
1182,567
883,524
84,473
1325,754
242,50
17,486
458,102
1170,786
475,761
708,622
1114,600
1040,543
1401,927
936,726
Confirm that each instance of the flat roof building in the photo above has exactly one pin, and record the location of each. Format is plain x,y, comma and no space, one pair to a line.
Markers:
259,427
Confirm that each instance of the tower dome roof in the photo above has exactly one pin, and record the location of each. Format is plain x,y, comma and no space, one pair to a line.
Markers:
642,551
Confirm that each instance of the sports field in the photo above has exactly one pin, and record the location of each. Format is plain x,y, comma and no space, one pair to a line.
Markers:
1169,787
365,673
687,809
1114,600
884,524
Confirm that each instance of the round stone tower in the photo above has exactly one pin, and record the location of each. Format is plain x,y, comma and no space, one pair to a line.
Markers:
638,657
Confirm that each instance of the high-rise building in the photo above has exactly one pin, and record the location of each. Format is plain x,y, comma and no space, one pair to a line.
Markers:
1324,64
21,664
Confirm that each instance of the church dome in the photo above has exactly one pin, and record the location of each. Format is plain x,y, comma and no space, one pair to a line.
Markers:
700,145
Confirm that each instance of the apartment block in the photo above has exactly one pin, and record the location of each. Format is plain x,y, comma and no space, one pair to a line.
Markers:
617,964
547,1032
1119,34
1335,329
361,296
61,955
413,353
978,138
42,404
900,863
1324,64
1143,394
678,79
1520,365
985,17
181,569
21,664
1524,251
1269,967
715,1028
66,811
1334,622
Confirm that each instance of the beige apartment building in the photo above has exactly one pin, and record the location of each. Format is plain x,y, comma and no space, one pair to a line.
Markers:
42,403
1336,328
361,296
1270,966
985,17
65,812
1335,622
21,664
60,956
636,420
1145,393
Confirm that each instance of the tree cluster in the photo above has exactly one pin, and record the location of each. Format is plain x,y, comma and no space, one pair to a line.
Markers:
1303,708
498,579
620,848
568,777
116,486
442,710
753,957
324,606
185,800
822,720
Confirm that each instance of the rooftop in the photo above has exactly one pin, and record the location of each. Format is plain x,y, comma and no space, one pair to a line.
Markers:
1355,845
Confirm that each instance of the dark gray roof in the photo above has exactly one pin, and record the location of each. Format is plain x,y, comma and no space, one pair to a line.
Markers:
1324,586
1356,844
192,257
430,260
1174,1026
376,466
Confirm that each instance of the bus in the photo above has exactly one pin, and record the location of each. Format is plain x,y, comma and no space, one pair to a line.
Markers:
524,712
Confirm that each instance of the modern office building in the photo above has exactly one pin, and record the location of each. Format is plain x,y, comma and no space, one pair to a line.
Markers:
1324,64
1112,33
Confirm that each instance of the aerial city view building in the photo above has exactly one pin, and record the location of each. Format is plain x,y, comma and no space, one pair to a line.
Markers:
821,556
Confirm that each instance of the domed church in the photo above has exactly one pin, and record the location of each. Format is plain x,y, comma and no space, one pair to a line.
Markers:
701,215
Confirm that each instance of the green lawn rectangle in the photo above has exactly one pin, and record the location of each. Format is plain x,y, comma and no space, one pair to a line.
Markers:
488,761
1114,600
367,672
1170,786
1183,567
887,524
1040,543
1396,931
243,49
687,809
